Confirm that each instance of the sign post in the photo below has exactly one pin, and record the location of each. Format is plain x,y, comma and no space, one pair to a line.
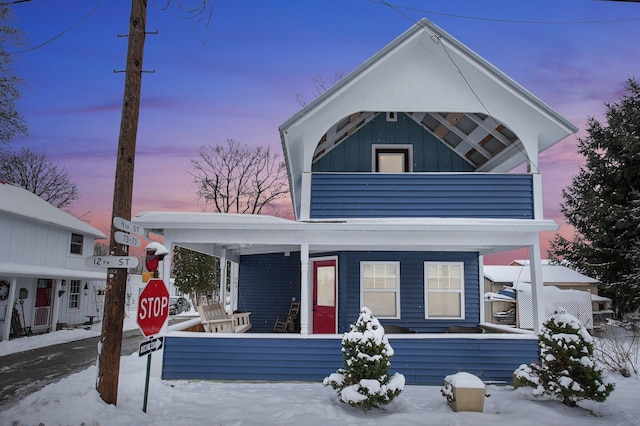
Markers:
153,311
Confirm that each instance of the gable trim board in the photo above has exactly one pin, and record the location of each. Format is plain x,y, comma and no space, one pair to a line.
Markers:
424,80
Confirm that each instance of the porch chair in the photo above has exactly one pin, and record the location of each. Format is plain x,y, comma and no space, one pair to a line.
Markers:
290,323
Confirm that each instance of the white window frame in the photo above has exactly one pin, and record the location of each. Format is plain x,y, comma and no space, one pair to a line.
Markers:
405,147
460,291
72,294
396,291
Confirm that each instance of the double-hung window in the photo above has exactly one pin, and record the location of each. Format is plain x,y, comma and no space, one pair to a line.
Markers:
74,295
380,288
444,290
76,244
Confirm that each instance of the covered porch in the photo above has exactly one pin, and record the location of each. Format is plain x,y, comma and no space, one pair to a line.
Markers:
273,262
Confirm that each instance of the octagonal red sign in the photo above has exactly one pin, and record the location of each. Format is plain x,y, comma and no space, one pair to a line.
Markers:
153,307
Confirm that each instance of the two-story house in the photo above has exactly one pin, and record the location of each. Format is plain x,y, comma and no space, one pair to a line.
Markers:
44,282
399,184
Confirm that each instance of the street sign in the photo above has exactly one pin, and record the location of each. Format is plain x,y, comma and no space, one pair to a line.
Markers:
150,345
127,239
153,307
112,261
125,225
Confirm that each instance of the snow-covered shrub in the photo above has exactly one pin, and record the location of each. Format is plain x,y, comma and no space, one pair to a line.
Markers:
617,349
365,380
567,370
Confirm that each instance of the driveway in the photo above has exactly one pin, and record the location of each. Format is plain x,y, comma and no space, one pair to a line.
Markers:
26,372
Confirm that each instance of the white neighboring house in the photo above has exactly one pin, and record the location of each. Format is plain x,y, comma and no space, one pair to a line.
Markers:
575,291
43,277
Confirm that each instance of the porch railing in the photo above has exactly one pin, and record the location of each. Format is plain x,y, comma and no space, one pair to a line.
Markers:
457,195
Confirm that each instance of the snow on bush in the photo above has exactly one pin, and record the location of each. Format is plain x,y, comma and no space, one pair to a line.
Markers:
567,371
365,380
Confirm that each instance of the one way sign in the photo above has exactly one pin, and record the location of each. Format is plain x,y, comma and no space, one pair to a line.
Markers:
150,345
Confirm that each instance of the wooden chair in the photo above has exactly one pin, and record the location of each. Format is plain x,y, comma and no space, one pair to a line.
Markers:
290,323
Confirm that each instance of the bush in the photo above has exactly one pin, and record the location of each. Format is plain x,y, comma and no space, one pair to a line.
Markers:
365,380
566,370
617,349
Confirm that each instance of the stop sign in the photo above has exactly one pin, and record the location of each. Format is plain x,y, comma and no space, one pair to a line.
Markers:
153,307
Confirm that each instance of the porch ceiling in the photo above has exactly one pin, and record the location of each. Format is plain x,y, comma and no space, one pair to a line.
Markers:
479,139
253,234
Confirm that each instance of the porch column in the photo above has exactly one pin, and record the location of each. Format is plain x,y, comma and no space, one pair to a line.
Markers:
55,304
305,299
537,286
223,280
234,285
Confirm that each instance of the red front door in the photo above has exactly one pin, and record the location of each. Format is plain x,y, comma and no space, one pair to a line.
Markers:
324,297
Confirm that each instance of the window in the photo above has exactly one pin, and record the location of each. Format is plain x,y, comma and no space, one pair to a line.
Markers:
76,243
380,288
444,290
392,158
74,295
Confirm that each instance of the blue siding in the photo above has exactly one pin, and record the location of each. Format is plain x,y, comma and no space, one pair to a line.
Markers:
429,154
422,361
373,195
411,288
267,283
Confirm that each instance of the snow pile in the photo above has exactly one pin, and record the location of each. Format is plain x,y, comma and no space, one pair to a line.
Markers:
365,380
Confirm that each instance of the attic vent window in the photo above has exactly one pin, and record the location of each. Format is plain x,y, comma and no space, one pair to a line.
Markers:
392,158
392,116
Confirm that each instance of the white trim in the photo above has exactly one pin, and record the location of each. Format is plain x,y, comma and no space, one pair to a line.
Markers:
397,290
461,292
311,266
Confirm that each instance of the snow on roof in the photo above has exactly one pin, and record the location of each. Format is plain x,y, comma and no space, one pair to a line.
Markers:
17,201
550,274
23,270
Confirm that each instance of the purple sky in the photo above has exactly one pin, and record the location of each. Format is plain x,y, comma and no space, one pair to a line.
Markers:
239,77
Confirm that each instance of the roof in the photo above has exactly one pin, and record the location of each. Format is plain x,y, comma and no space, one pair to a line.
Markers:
483,115
23,270
555,274
17,201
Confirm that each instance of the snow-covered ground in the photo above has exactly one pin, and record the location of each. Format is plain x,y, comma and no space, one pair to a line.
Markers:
74,401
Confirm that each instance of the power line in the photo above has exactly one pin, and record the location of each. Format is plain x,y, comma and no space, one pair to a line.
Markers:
436,39
508,21
74,26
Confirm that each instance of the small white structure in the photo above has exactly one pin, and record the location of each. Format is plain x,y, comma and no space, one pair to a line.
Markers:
506,285
44,282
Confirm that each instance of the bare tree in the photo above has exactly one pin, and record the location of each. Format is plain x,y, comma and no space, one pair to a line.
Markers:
237,179
320,86
11,122
37,174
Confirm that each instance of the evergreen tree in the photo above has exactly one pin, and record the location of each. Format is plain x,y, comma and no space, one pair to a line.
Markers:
196,273
567,370
602,204
365,380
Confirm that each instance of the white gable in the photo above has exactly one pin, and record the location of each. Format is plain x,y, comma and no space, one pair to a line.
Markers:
17,201
424,71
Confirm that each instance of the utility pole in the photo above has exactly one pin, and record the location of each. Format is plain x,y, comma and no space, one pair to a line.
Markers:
111,339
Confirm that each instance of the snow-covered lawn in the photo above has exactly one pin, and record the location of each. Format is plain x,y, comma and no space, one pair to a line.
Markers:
74,401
